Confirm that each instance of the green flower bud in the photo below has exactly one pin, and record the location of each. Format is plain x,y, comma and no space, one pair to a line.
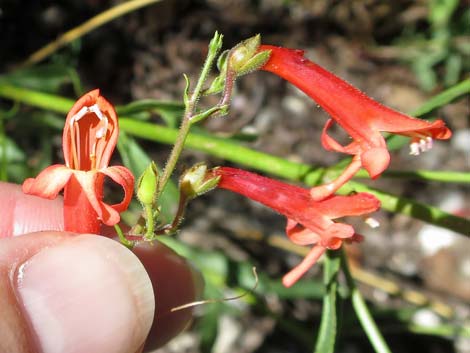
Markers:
147,185
244,57
195,181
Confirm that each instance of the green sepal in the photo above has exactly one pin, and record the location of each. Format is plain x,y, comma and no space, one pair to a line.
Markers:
218,83
215,43
186,91
244,57
195,181
218,110
255,63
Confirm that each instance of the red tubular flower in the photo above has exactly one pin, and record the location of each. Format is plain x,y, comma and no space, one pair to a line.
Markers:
361,117
90,135
309,222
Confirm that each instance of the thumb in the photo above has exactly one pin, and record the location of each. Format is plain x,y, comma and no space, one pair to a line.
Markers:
21,213
67,293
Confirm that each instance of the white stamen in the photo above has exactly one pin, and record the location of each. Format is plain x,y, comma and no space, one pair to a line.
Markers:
429,142
81,113
414,149
372,222
99,114
95,109
103,129
423,145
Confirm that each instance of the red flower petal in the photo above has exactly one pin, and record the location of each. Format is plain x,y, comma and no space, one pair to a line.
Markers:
352,205
331,144
413,127
49,182
123,177
298,271
375,161
91,187
300,235
109,214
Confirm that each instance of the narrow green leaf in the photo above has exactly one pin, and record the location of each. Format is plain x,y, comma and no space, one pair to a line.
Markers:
395,142
303,289
47,77
442,176
412,208
327,335
149,104
170,111
362,311
443,98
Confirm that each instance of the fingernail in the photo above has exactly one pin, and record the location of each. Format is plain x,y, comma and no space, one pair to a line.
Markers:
87,294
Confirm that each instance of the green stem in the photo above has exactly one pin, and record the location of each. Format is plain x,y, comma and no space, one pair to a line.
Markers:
177,219
427,175
176,151
328,326
443,98
412,208
362,311
150,222
122,238
86,27
443,330
190,108
439,100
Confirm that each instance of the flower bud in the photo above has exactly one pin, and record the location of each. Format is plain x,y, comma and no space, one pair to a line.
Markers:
244,57
196,181
147,184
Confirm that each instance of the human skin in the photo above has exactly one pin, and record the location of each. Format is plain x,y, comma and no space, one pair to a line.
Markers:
64,292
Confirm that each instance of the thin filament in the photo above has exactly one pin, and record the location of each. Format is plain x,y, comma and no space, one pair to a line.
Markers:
75,129
215,300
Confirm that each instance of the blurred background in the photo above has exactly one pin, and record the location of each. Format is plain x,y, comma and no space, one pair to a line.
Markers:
416,276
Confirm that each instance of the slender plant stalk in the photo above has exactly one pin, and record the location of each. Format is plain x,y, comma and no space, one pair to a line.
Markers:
439,100
150,224
362,311
122,238
428,175
412,208
86,27
190,108
326,339
443,98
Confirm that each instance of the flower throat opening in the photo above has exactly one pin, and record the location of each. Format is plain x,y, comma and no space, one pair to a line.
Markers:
88,137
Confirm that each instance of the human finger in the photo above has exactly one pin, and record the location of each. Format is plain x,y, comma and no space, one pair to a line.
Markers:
61,292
